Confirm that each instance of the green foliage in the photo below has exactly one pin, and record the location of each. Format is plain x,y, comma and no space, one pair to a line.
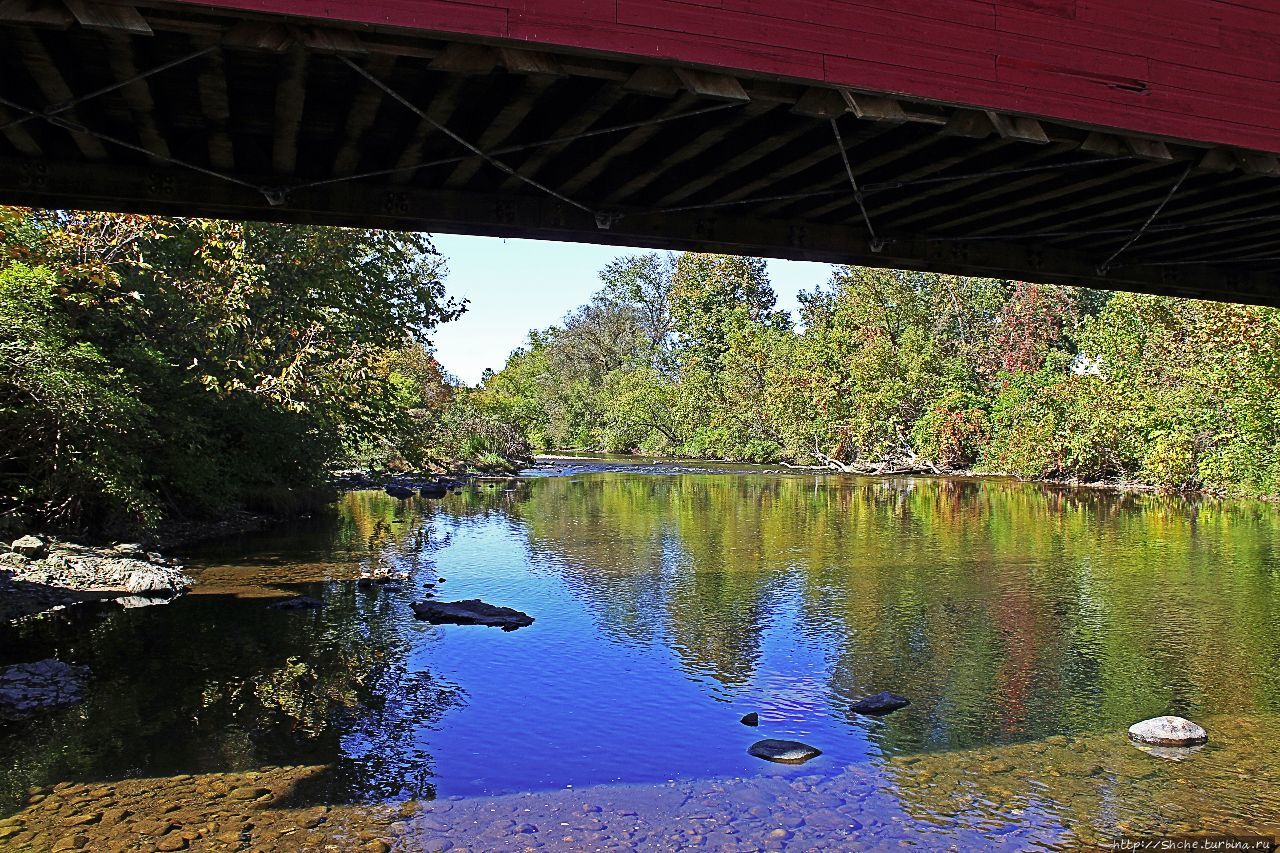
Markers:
904,369
184,366
70,422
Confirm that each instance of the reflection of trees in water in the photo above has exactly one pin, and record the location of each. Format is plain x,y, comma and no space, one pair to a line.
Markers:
616,544
214,683
658,557
1011,611
1005,610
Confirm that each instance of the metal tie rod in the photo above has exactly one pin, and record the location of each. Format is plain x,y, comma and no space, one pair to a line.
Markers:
55,109
488,158
877,244
1106,265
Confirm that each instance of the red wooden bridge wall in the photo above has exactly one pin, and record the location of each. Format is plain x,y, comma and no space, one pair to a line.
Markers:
1204,70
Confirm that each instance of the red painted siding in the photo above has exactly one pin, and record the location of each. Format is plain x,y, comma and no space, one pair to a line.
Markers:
1203,70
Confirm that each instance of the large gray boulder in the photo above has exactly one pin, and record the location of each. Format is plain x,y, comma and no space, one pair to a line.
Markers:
155,582
30,546
470,612
783,751
1168,731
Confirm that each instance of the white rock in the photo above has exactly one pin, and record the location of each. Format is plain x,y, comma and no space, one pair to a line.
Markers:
146,581
30,546
1168,731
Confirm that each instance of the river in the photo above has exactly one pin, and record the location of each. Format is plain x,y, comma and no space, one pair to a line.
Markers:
1028,625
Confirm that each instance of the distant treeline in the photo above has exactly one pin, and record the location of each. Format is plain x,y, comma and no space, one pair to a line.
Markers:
688,355
188,367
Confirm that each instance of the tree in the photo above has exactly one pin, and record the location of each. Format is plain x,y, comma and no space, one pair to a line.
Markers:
248,356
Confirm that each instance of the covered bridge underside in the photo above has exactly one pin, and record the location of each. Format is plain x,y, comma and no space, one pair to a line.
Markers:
185,109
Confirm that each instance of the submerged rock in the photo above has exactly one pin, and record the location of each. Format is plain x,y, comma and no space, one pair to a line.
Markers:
752,719
30,546
1168,731
29,687
880,704
302,602
470,612
784,751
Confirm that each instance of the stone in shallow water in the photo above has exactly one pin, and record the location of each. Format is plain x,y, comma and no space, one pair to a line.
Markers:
784,751
881,703
29,687
302,602
1168,731
752,719
470,612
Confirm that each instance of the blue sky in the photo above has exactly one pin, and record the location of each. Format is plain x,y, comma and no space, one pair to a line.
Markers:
518,285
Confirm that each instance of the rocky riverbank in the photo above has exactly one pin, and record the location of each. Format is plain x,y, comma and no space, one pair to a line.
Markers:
41,574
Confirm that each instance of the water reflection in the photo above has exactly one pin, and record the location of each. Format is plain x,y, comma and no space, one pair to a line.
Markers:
1008,611
1029,627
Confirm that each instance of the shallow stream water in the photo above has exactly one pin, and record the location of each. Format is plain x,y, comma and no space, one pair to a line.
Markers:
1029,626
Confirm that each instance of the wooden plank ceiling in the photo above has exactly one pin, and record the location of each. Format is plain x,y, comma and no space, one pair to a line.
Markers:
185,110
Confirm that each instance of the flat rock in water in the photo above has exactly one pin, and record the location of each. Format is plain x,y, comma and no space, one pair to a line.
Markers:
29,687
1168,731
399,492
783,751
302,602
470,612
880,704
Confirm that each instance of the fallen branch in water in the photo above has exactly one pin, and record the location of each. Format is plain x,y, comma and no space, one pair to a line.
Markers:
905,462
